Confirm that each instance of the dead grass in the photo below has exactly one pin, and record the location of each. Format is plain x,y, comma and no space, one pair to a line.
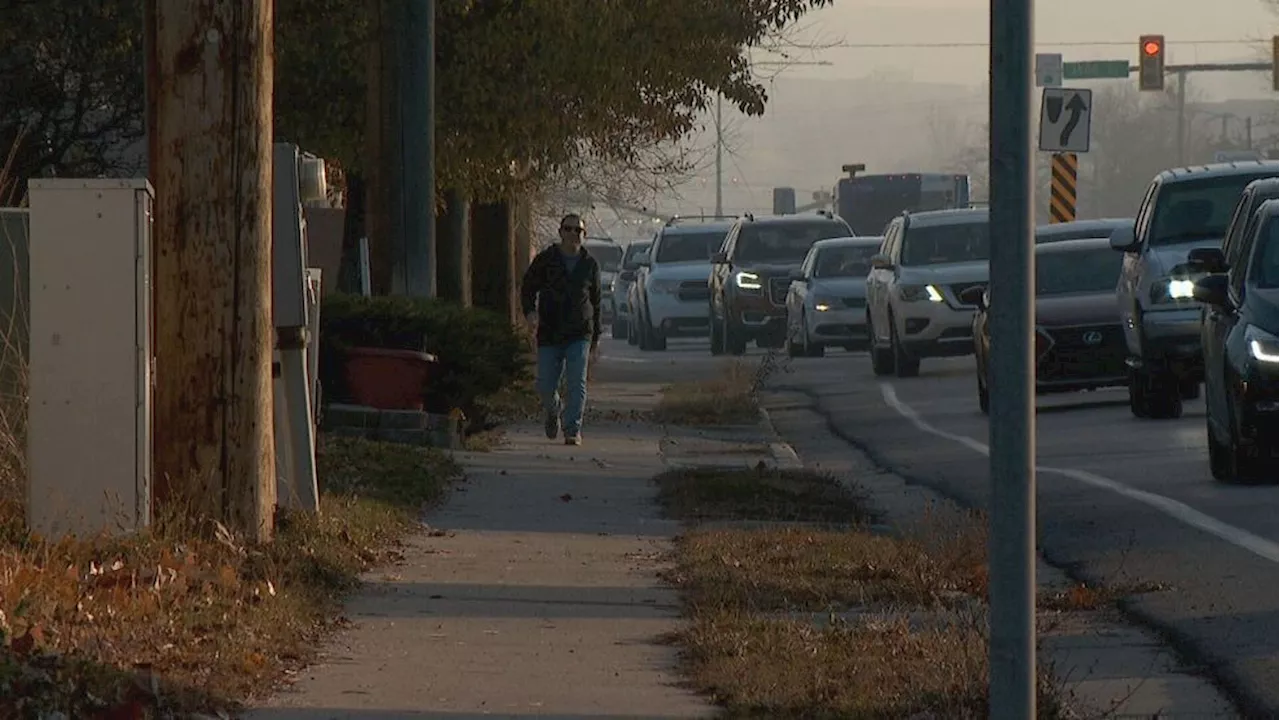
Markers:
731,398
760,494
213,621
828,622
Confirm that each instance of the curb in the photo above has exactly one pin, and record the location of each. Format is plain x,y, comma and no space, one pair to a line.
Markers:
783,454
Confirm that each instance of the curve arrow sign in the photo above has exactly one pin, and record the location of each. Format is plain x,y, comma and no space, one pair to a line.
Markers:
1075,107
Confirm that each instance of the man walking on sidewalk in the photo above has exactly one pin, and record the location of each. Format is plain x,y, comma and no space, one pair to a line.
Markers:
560,297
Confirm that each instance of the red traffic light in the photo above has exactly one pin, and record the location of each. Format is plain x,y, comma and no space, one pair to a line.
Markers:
1151,47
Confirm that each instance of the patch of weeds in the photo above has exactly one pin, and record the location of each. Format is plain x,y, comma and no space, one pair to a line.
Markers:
763,494
799,569
791,620
1083,597
730,398
211,620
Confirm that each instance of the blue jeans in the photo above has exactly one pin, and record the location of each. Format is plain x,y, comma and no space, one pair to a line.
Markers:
570,362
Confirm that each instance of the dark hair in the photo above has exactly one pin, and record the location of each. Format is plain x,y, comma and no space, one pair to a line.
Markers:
572,216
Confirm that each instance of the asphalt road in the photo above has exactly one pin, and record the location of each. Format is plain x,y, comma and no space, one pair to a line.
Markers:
1120,501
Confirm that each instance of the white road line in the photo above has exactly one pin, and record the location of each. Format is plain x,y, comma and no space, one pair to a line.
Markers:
623,359
1178,511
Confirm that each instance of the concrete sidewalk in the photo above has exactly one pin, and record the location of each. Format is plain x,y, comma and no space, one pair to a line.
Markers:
535,595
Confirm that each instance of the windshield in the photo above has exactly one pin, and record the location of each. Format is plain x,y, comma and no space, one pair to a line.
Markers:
1096,270
1196,210
785,243
689,247
609,256
849,261
634,251
946,244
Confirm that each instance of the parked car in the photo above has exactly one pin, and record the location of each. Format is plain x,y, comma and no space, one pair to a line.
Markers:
751,277
626,277
1184,209
1080,229
609,254
914,310
1079,343
671,286
1241,357
828,299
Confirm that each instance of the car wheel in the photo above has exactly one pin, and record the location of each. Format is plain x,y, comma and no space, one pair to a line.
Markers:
794,349
717,335
1155,393
881,358
904,363
734,341
657,340
1220,465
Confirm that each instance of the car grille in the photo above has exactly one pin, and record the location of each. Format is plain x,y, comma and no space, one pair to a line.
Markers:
694,290
958,288
778,289
1082,352
855,303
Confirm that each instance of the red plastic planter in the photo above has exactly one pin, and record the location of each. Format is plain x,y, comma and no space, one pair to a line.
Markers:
388,379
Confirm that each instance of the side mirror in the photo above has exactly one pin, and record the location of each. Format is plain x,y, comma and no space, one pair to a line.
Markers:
1208,259
1122,240
1211,290
719,259
976,295
880,261
627,275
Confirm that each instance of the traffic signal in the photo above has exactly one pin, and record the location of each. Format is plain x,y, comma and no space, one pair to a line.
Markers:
1275,62
1151,62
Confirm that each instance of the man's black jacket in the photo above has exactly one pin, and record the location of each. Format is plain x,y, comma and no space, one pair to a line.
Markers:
568,303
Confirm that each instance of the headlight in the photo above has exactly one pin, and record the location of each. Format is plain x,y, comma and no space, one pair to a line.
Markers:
1173,290
747,281
1262,345
663,285
824,304
916,293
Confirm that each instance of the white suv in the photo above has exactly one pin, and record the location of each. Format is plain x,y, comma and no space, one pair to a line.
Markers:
671,288
914,309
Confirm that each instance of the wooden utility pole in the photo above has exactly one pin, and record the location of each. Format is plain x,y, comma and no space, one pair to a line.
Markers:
453,249
210,92
494,284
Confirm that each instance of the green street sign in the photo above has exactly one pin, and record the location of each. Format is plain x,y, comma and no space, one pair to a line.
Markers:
1091,69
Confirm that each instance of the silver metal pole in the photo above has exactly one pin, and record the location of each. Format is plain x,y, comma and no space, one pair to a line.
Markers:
1182,117
417,128
719,157
1011,552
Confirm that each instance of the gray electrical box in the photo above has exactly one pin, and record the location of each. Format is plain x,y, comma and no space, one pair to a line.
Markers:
288,245
90,370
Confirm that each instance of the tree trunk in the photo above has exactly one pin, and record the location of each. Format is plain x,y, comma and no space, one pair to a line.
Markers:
353,228
493,273
524,232
214,444
453,250
381,147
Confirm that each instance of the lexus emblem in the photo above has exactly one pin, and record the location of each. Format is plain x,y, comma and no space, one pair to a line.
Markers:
1093,337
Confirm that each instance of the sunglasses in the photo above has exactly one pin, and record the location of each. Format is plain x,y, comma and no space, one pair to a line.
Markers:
572,229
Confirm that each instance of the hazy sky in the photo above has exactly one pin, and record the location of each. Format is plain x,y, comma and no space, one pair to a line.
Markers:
1241,28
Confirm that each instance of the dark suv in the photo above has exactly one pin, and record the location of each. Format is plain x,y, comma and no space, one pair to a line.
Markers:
751,277
1184,210
1240,354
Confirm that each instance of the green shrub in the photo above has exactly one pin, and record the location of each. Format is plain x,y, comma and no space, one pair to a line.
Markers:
479,352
